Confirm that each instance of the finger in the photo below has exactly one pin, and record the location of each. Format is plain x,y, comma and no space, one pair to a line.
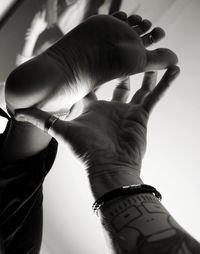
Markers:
139,96
143,27
154,36
89,98
122,91
149,81
169,76
159,59
40,119
148,84
120,15
134,20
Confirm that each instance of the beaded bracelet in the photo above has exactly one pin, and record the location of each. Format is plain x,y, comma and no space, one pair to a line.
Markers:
125,190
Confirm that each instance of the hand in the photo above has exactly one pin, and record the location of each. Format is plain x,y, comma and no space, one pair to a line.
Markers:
109,135
38,24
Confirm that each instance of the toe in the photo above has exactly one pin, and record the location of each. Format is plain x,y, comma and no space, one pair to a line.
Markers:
134,20
143,27
154,36
120,15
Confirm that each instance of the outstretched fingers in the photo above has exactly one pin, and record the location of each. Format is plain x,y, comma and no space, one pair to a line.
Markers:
148,84
122,91
153,97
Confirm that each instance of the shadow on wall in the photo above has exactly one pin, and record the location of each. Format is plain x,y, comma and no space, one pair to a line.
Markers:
12,35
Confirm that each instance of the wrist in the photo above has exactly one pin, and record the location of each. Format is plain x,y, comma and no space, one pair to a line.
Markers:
108,180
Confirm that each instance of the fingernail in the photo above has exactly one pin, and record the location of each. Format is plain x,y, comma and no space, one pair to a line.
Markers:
20,118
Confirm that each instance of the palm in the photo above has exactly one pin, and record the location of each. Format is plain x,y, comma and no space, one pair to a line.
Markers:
109,134
114,133
110,131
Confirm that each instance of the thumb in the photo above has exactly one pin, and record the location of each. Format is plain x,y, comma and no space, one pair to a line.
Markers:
159,59
44,121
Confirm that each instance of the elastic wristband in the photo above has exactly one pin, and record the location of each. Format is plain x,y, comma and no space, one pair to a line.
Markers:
125,190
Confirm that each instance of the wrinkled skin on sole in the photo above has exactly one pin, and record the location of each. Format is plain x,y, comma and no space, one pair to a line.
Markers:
98,50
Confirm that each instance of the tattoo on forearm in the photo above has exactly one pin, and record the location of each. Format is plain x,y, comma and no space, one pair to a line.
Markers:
141,225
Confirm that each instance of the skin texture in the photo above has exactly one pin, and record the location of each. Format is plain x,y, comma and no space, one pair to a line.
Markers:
54,81
140,224
113,48
98,50
110,134
110,137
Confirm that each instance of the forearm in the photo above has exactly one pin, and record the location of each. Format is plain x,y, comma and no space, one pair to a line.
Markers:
140,224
